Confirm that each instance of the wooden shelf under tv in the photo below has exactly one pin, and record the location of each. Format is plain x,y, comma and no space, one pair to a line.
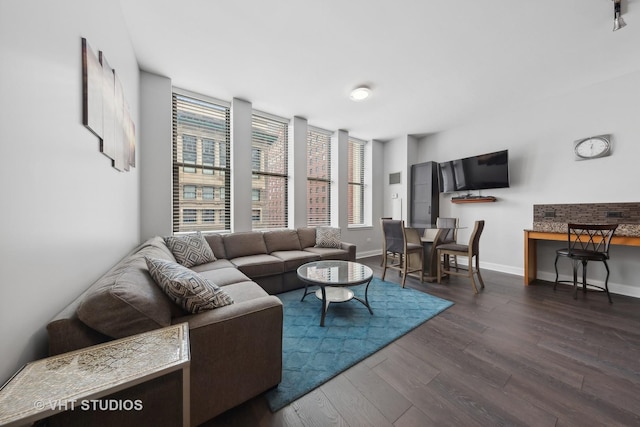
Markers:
486,199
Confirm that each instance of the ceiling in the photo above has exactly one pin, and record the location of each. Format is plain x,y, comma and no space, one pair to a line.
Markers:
430,64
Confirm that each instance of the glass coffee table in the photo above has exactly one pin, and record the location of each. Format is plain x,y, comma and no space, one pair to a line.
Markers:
333,278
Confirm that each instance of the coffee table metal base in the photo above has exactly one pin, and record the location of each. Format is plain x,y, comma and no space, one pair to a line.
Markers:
329,294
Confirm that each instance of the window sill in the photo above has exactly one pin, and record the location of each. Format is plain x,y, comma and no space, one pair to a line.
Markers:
360,227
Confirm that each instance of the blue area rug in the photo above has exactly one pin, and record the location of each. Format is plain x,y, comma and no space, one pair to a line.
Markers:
313,354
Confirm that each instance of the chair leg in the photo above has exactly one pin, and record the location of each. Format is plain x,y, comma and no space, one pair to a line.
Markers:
470,271
422,266
555,264
404,269
584,277
439,266
575,279
473,283
384,262
606,282
478,272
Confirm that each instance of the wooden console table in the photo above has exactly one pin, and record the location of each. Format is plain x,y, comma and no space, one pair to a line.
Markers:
530,249
71,380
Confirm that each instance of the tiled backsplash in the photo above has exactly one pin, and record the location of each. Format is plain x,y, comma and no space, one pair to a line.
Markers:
554,218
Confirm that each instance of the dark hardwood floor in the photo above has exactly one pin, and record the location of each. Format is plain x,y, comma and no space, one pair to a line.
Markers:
511,355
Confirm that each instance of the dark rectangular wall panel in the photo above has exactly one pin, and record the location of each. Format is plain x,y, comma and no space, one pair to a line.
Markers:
424,198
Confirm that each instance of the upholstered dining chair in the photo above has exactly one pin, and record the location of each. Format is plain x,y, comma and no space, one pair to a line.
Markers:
470,251
395,241
587,242
390,253
451,235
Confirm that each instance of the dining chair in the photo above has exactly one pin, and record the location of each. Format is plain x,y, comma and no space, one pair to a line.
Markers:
451,236
470,251
395,241
392,254
586,242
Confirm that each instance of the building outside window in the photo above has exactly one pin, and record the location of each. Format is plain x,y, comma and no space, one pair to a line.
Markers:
269,163
189,215
319,176
208,155
189,192
208,215
207,193
190,153
201,140
355,181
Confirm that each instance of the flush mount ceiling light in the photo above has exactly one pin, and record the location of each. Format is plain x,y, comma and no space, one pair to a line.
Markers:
618,22
360,93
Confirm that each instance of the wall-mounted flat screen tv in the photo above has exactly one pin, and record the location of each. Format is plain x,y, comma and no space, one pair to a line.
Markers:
489,170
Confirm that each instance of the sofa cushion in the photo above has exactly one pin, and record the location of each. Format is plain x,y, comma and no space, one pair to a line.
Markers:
245,291
328,237
126,300
225,276
307,236
330,253
259,265
215,265
216,243
282,240
294,259
243,244
187,288
190,249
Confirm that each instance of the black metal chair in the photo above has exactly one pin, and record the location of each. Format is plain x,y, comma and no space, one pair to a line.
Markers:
470,251
586,242
395,241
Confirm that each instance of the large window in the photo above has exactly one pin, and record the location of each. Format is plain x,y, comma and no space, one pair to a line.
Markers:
356,182
201,141
269,142
318,177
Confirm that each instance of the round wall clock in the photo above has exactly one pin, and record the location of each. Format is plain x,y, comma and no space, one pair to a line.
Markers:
592,147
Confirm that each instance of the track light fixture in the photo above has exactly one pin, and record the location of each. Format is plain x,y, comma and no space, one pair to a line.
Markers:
618,22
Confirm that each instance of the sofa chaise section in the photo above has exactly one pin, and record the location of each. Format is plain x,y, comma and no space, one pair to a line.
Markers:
236,350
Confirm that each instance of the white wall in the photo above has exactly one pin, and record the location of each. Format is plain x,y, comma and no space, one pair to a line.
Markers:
155,154
540,142
67,214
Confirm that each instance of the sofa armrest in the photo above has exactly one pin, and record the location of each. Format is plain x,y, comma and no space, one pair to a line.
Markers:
229,312
351,248
235,348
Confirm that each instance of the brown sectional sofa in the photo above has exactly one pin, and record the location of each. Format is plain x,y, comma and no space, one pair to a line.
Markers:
236,350
271,258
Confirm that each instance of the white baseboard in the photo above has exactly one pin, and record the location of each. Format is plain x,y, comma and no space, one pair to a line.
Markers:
366,254
614,288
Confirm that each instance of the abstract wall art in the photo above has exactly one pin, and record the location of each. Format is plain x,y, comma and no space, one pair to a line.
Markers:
105,111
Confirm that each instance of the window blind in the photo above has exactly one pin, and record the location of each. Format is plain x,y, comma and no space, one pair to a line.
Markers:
201,172
355,182
269,166
318,177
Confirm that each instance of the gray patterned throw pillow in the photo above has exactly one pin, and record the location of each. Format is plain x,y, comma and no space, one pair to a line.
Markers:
185,287
328,237
190,249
